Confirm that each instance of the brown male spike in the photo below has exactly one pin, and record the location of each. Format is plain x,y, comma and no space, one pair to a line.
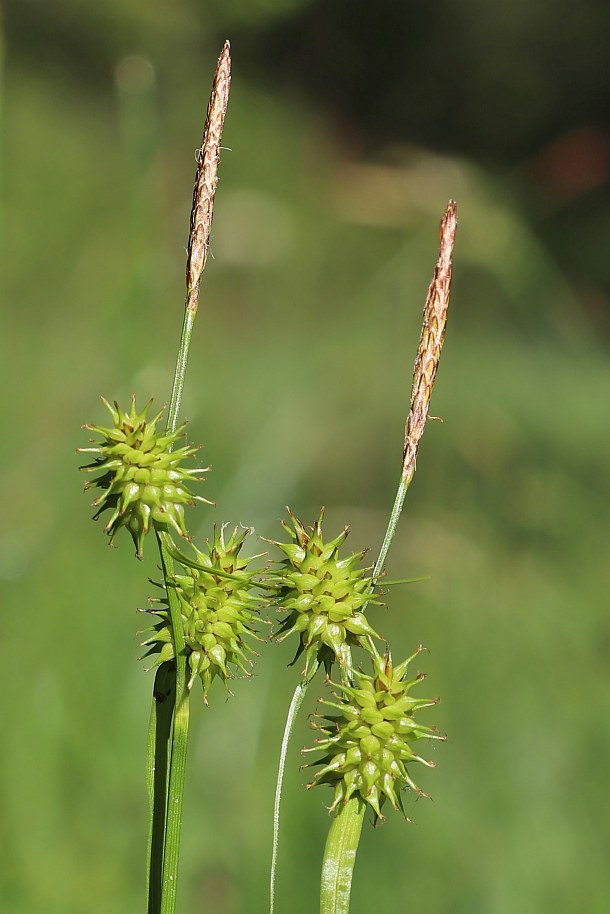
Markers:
430,343
206,178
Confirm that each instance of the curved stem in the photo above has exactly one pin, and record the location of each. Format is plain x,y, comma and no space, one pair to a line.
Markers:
340,857
293,710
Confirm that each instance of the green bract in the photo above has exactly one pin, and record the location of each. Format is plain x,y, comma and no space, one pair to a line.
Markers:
368,742
142,477
218,609
323,595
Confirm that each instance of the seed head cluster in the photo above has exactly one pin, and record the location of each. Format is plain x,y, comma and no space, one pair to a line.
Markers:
141,477
324,595
218,607
368,735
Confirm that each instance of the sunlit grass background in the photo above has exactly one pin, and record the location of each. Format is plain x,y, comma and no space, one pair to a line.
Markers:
324,241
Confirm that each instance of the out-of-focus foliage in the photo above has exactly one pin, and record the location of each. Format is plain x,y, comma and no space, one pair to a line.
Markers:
350,126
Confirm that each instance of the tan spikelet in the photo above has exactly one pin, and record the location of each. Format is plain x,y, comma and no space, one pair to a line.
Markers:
430,343
206,178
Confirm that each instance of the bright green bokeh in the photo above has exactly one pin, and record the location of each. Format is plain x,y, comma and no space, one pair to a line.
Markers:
298,387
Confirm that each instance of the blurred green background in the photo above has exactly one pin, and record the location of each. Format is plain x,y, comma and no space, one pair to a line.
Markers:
350,125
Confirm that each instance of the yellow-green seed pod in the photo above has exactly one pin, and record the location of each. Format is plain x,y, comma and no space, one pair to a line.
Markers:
142,478
219,609
368,734
323,595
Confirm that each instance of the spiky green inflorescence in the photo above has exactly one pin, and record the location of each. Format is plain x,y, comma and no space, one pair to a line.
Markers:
323,595
142,478
218,609
367,744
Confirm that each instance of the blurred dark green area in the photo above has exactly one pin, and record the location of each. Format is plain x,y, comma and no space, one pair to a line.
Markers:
350,125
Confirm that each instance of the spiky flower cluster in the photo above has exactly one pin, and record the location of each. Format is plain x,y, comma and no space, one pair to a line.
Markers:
367,744
323,595
218,609
142,478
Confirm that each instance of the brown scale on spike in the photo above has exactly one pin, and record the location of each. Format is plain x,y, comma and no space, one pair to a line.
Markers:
430,343
206,178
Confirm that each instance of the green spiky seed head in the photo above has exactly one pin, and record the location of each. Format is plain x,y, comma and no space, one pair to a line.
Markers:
368,736
324,595
141,477
219,609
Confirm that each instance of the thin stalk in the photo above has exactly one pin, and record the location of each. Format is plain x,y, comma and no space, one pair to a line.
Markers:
177,759
180,372
391,528
340,857
157,765
293,710
175,794
167,787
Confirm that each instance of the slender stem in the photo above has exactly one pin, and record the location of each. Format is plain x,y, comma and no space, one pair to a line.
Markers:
399,501
164,841
158,752
174,806
181,363
340,857
293,710
177,760
168,728
168,736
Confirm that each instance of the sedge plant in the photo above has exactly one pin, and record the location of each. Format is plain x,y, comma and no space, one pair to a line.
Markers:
365,742
205,620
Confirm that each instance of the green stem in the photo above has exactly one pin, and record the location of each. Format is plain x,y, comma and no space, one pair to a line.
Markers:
168,735
180,372
177,759
399,501
293,710
340,856
157,762
174,806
